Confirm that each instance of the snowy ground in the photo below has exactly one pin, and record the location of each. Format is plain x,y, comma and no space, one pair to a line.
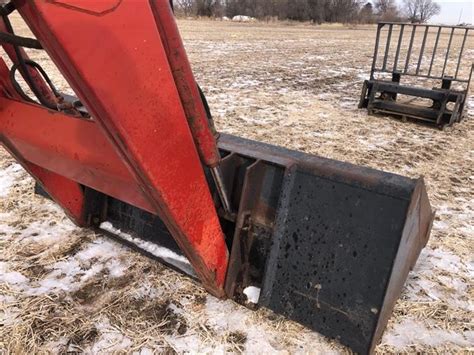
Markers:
66,289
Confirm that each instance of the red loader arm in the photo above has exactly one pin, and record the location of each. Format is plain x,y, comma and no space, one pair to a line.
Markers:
139,146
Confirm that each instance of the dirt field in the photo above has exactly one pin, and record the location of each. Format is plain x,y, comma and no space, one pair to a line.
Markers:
65,289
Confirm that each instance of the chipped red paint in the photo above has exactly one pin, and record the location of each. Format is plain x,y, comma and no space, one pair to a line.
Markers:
185,83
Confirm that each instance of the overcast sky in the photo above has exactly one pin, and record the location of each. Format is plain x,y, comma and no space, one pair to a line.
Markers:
452,9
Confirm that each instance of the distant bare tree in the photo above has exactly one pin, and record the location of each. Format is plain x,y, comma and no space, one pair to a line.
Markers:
345,11
383,6
208,8
366,14
245,7
387,10
420,11
318,11
410,8
297,10
187,6
428,9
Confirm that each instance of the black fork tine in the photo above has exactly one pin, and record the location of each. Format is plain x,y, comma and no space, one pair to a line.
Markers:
397,53
387,46
447,52
434,50
460,53
410,47
422,50
376,50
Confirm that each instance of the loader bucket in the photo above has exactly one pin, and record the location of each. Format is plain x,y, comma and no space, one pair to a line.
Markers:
343,241
342,247
329,244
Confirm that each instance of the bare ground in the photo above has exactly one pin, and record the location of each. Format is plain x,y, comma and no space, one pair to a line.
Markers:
65,289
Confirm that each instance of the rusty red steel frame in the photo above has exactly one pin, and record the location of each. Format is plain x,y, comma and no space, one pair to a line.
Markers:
139,147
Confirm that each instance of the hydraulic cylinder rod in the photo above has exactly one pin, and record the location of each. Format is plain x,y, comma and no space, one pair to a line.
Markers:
193,106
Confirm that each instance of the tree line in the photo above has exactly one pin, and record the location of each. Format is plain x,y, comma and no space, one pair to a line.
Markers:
317,11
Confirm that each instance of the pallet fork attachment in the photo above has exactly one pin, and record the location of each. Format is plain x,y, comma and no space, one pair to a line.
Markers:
329,244
395,57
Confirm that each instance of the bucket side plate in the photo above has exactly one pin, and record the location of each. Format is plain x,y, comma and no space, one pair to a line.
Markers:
342,251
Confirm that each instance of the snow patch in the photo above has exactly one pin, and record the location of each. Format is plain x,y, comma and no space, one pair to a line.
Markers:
110,340
9,316
96,256
163,253
116,268
193,344
252,293
410,332
11,277
441,276
43,232
227,316
147,290
70,274
99,249
8,177
242,18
